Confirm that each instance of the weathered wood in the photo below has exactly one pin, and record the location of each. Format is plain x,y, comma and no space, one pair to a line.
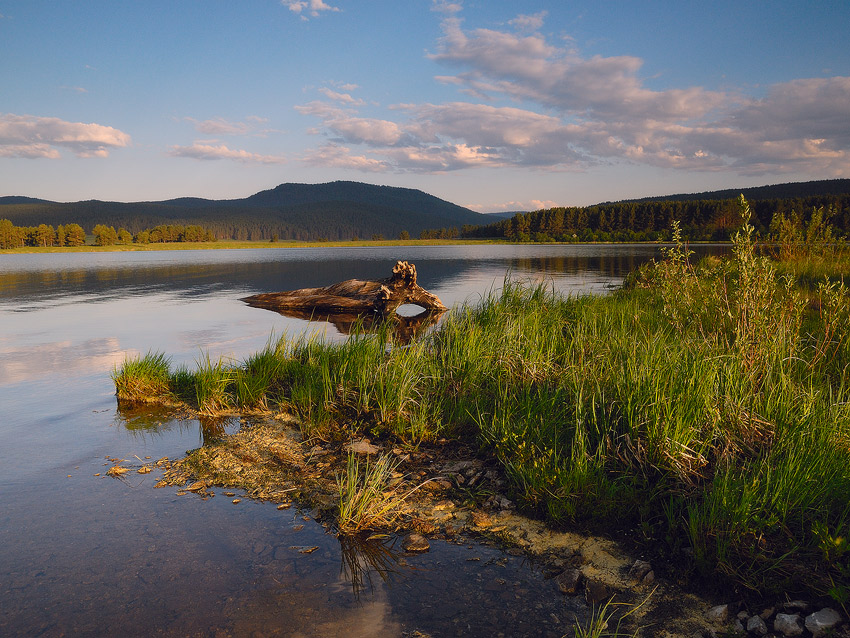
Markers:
382,296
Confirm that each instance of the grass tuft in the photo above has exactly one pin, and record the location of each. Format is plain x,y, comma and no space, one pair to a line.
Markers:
366,501
143,379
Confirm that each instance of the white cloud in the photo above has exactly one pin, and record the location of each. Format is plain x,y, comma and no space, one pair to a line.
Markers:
333,155
221,126
572,111
344,98
206,151
30,136
305,7
529,22
449,8
504,207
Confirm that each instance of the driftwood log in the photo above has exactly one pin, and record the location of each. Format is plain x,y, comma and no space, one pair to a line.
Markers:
381,296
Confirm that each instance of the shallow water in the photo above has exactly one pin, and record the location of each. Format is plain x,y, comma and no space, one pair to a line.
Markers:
86,555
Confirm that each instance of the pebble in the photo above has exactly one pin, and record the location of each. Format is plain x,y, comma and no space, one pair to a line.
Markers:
757,626
718,615
568,581
788,624
415,543
363,447
237,500
639,570
595,592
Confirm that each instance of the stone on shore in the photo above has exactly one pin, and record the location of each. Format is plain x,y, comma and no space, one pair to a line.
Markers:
821,621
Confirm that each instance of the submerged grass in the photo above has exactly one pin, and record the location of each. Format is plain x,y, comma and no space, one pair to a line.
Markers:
706,406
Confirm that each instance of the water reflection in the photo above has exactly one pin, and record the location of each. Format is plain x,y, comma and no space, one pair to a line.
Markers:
146,422
404,328
365,555
24,362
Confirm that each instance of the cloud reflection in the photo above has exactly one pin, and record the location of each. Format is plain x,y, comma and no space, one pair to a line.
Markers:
63,358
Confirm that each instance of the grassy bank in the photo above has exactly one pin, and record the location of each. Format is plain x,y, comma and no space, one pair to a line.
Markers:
703,408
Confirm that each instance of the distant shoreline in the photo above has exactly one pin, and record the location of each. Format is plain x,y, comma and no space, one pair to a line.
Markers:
239,245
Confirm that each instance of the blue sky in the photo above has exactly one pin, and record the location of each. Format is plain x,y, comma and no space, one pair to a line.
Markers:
492,105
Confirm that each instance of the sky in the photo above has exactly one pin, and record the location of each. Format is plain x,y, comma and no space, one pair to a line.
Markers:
494,105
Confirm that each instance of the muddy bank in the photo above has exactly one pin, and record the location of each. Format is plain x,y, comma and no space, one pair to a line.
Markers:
461,498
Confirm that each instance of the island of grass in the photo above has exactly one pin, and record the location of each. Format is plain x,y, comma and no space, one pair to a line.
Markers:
702,412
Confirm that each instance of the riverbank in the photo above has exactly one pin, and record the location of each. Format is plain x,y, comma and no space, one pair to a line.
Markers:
240,244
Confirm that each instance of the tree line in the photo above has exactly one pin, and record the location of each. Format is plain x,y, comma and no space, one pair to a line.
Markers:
700,220
45,235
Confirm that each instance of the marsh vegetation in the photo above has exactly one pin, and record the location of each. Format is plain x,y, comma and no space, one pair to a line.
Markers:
703,408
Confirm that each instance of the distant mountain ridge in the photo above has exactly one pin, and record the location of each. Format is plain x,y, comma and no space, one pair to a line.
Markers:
335,210
788,190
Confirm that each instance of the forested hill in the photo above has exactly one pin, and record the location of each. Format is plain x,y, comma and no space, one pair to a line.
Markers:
703,216
337,210
774,191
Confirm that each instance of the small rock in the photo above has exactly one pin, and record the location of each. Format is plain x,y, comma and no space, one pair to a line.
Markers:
143,470
737,628
788,624
236,500
363,446
568,581
595,592
718,615
640,569
796,605
743,616
415,543
649,578
480,519
757,626
821,621
767,613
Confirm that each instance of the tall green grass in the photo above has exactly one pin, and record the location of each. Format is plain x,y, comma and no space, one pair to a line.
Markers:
143,379
705,406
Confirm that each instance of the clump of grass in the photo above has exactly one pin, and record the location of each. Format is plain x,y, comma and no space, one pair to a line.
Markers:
607,621
366,501
143,379
212,382
255,380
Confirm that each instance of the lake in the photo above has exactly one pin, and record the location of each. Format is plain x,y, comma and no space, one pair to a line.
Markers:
82,554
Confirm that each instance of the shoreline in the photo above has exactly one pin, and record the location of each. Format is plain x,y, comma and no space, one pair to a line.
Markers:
264,244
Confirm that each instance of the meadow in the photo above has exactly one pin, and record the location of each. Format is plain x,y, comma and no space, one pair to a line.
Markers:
701,410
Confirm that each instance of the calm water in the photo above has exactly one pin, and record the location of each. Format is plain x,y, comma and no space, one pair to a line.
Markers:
82,555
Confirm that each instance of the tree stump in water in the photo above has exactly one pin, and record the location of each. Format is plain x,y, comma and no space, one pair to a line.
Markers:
382,296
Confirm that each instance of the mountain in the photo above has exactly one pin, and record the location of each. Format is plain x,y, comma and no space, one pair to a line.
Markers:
336,210
790,190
